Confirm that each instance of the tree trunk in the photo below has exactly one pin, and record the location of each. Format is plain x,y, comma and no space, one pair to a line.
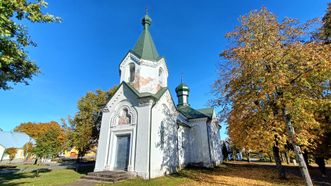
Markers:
297,150
287,157
281,170
305,157
321,165
35,161
79,156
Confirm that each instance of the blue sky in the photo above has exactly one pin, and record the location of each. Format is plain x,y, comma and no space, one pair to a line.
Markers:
83,52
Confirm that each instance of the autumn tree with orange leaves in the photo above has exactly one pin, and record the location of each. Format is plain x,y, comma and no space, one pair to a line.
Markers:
271,83
50,138
36,130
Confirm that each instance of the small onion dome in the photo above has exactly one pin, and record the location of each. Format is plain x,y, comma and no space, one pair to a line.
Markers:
146,21
182,87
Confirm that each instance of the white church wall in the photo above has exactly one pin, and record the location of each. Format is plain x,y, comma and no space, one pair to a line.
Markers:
143,139
181,149
199,142
184,149
101,156
215,144
110,129
2,151
164,153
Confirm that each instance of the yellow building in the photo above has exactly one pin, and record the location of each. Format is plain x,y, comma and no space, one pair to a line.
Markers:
13,140
73,153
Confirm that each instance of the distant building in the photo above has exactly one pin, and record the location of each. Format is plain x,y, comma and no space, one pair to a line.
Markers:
143,131
16,140
72,153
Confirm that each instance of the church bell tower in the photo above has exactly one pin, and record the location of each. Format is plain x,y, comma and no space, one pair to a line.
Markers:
143,68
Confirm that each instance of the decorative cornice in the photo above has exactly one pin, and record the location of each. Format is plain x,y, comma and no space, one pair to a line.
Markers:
146,102
199,120
134,58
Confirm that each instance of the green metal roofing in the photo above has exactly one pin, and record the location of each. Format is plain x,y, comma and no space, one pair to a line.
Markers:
145,47
207,111
183,124
156,96
191,113
182,87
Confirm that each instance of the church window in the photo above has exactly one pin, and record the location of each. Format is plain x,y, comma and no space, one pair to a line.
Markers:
132,72
124,117
161,75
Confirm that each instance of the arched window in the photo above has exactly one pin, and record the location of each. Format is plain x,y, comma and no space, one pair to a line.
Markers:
124,117
161,75
132,72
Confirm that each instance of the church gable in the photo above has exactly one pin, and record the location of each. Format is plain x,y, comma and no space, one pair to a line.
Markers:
123,93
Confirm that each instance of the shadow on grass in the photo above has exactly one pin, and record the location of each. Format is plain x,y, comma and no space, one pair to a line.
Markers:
82,167
201,175
228,174
7,178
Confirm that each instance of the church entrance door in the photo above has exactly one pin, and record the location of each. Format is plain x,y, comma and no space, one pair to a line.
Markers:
122,152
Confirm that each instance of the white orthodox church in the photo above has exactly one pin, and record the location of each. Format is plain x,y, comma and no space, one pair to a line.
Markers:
143,131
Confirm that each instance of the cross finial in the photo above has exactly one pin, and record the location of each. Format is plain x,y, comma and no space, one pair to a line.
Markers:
146,22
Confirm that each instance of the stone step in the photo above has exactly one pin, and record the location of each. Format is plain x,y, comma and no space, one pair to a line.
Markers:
106,179
98,178
108,176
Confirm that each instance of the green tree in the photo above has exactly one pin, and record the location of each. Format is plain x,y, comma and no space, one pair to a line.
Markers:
68,130
87,121
28,149
48,145
15,66
11,152
274,83
325,31
322,114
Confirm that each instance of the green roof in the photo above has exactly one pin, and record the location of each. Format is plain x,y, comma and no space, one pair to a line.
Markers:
191,113
156,96
145,47
182,87
207,111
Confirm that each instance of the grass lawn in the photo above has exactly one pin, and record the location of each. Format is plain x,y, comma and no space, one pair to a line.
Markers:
25,176
230,174
224,175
